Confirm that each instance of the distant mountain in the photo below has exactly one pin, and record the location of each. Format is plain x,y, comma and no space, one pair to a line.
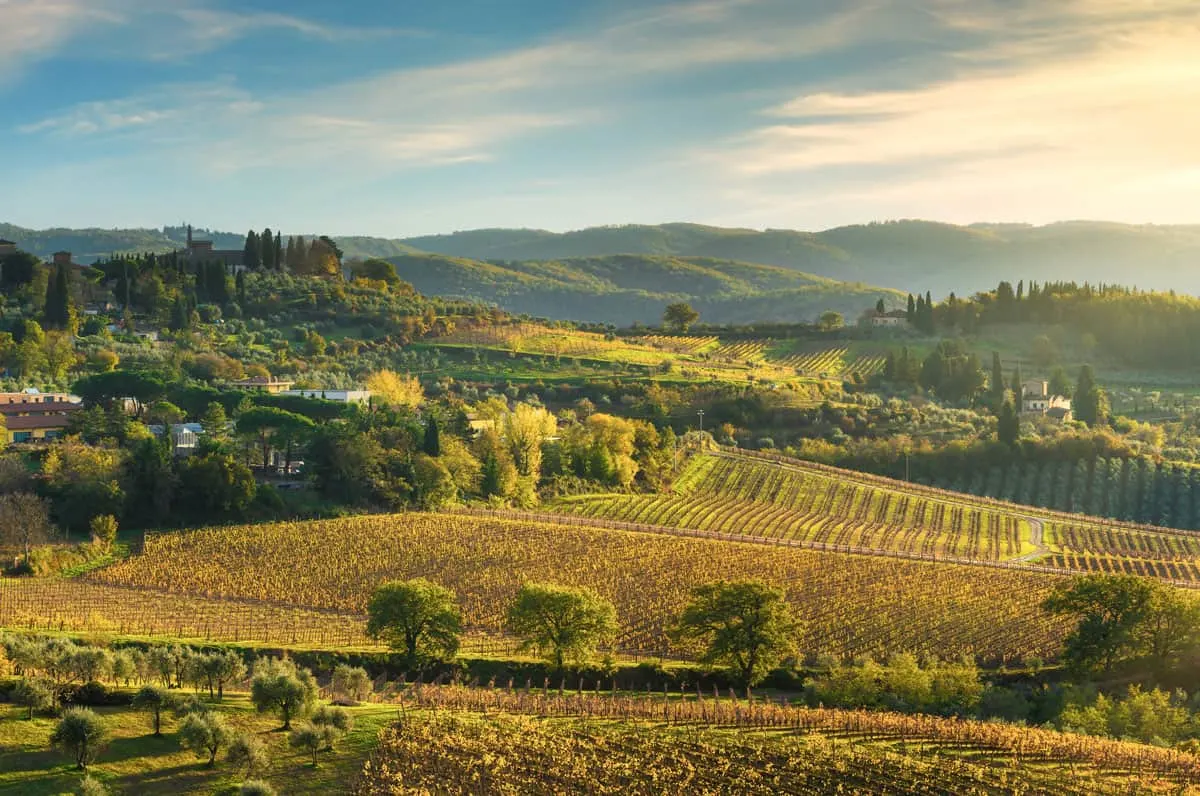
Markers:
905,255
628,288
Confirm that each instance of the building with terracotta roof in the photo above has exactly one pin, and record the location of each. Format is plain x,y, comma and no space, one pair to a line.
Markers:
31,416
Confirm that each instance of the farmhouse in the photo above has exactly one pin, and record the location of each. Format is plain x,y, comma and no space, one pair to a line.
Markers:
1037,400
7,247
889,320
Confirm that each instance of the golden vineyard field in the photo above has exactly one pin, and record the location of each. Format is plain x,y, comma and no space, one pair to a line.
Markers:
850,605
794,500
568,743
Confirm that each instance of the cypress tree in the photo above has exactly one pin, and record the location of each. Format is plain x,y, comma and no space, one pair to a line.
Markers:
433,442
266,245
252,253
1089,403
1008,425
1018,390
489,482
912,310
997,380
58,299
240,282
278,259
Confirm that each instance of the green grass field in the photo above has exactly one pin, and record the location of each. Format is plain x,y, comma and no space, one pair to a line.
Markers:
135,762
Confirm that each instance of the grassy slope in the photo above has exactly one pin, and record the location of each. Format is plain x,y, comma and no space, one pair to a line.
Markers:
135,762
626,288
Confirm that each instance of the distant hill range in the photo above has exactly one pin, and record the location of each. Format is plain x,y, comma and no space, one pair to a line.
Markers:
619,273
905,255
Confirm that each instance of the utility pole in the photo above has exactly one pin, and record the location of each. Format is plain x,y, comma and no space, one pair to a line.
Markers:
906,466
701,413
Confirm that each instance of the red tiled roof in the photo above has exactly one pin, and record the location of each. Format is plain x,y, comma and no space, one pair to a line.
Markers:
55,407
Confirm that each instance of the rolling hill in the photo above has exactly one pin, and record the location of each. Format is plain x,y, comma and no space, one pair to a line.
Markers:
910,256
904,255
628,288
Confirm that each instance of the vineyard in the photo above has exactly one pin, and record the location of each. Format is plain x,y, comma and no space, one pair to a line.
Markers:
770,357
1130,490
557,744
850,605
774,498
755,498
676,343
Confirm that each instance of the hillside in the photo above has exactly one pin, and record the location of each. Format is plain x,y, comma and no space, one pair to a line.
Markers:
905,255
624,289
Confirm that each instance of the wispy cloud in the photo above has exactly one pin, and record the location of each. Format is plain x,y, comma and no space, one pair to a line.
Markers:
459,111
1081,102
35,29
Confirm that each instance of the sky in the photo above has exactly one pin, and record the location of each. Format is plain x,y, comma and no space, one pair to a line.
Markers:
400,117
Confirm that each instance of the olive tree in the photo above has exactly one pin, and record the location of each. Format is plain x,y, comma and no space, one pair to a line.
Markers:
205,733
81,734
154,700
280,686
34,694
248,753
351,682
561,622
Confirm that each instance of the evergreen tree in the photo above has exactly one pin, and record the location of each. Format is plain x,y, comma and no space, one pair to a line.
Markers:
1008,426
299,264
490,475
253,251
880,307
433,443
58,299
290,255
1090,404
997,384
241,288
278,258
912,310
1018,390
266,245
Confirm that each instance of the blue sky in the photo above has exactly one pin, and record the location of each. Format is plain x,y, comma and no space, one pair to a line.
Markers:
396,117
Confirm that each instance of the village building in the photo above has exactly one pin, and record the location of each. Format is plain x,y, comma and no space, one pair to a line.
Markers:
185,437
7,247
199,252
341,396
1037,400
261,384
32,416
